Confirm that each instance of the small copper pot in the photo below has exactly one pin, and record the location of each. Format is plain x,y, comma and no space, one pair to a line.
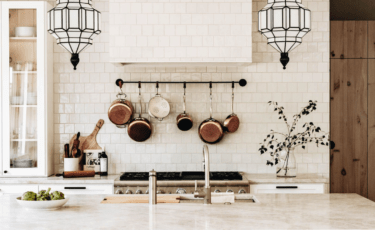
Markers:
121,110
232,122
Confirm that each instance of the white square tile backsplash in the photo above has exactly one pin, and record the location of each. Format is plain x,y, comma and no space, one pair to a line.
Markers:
82,97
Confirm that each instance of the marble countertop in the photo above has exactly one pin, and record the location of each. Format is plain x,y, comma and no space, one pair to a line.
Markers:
60,180
274,211
272,178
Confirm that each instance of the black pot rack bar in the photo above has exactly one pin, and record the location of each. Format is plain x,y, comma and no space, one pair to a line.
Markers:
241,82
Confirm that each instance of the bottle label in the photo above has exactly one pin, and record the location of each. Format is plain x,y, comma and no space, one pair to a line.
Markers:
103,164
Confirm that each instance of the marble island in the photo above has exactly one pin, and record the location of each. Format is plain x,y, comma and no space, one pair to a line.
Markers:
278,211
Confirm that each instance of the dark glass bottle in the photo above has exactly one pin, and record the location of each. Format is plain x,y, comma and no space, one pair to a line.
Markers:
103,163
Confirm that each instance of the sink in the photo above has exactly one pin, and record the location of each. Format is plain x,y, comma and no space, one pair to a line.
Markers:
238,198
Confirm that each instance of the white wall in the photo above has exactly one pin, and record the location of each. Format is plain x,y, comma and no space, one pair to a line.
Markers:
83,96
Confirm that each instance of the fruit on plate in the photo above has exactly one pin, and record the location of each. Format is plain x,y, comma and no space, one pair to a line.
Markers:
29,196
43,195
56,195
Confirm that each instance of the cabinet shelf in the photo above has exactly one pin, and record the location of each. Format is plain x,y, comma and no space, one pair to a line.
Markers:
23,139
22,38
21,72
31,106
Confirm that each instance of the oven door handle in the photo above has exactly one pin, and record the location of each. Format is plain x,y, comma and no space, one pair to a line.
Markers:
74,187
286,187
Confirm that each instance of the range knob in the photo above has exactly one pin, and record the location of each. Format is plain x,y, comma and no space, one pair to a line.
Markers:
119,191
180,191
229,190
160,192
217,191
138,191
241,191
128,191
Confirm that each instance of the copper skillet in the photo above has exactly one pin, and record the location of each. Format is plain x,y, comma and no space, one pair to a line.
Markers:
210,130
121,110
232,122
184,121
139,129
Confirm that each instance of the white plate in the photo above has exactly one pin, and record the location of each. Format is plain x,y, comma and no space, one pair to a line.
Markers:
48,204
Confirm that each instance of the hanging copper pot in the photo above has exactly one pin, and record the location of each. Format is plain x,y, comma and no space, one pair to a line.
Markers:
184,121
210,130
139,129
232,122
121,110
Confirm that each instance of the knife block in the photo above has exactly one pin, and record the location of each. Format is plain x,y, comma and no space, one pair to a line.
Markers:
71,164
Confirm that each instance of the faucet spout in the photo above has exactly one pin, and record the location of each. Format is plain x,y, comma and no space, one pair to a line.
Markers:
206,194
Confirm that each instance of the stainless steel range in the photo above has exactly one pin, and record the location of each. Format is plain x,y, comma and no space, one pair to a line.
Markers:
181,182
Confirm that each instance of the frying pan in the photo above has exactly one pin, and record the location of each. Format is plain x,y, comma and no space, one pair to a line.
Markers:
121,110
158,107
184,121
210,130
232,122
140,128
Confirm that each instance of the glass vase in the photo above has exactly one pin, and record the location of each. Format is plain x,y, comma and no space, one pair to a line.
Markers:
287,165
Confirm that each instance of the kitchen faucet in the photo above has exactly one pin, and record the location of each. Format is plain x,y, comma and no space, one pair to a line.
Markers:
206,194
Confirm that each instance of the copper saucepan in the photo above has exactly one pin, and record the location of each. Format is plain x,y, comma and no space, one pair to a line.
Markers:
121,110
184,120
210,130
232,122
140,128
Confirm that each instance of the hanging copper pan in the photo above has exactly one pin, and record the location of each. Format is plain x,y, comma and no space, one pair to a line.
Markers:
184,121
140,128
121,110
232,122
210,130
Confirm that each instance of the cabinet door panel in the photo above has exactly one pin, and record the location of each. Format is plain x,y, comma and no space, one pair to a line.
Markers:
349,126
371,129
371,39
348,39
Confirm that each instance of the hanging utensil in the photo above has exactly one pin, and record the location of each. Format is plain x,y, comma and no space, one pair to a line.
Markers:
210,130
139,129
232,122
184,121
66,151
75,148
121,110
158,107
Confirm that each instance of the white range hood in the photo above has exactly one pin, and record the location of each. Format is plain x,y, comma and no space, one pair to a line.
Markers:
163,32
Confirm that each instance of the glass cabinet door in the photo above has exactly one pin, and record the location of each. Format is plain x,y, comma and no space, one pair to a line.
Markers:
22,108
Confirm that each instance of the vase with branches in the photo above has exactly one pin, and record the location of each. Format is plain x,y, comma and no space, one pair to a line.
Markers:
280,146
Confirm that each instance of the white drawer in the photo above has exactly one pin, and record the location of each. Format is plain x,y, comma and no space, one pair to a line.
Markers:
18,189
287,188
79,188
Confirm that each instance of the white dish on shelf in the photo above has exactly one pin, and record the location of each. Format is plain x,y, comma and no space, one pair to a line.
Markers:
31,100
17,100
25,31
46,205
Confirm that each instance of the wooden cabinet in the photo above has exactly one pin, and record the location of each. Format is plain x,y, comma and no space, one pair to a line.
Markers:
371,39
349,126
288,188
371,129
350,39
26,91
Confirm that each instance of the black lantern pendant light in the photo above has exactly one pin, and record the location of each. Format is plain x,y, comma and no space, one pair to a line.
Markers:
284,23
74,23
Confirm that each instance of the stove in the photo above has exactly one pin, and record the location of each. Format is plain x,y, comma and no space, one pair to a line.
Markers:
181,176
181,182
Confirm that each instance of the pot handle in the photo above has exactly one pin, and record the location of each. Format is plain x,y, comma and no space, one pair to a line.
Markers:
210,99
184,98
140,99
232,95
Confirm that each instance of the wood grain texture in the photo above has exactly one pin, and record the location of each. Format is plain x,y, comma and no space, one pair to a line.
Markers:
371,39
371,129
349,126
349,39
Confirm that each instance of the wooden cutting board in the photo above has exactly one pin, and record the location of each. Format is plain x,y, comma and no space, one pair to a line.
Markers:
139,199
88,142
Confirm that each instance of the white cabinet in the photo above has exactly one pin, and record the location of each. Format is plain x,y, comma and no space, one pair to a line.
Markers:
80,188
26,90
18,189
287,188
180,32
